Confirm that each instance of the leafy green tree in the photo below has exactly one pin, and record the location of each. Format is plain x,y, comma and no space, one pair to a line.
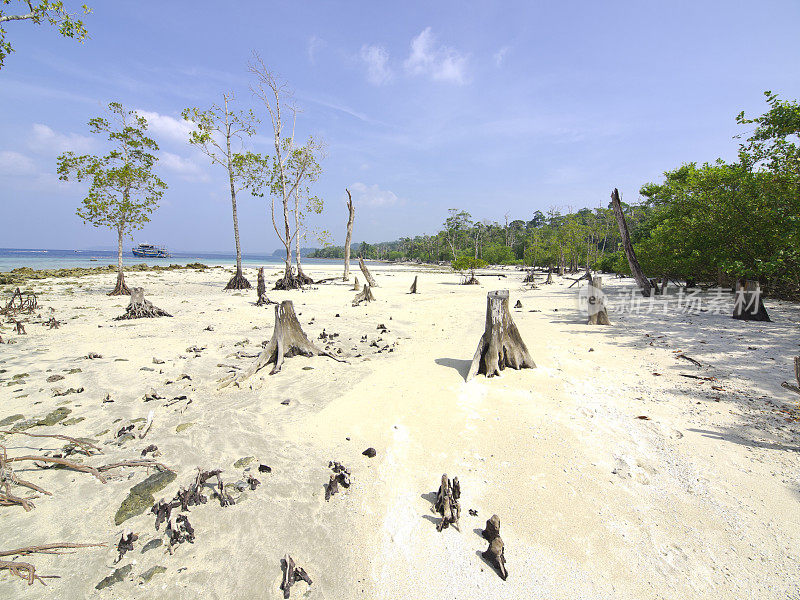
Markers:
468,264
50,11
220,133
123,190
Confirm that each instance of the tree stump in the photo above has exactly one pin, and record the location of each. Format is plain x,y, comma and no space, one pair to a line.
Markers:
238,281
364,296
304,279
501,345
530,276
139,308
289,281
356,286
121,289
495,555
749,304
549,279
367,274
447,502
596,305
288,339
261,289
414,285
492,528
291,573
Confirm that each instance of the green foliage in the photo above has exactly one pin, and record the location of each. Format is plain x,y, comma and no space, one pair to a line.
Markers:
50,11
496,254
123,190
468,263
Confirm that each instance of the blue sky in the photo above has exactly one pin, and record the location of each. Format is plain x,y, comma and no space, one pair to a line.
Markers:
490,107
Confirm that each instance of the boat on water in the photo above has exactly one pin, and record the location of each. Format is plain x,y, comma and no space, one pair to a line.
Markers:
150,251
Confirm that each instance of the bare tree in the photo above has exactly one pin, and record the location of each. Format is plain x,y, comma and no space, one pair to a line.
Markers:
216,130
351,215
292,166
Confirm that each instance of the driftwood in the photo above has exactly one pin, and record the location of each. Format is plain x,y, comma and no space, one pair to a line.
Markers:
20,303
82,444
367,274
690,359
501,345
52,323
291,574
364,296
356,286
518,304
351,215
633,262
598,315
340,476
586,276
492,529
19,327
26,570
788,385
447,502
495,555
749,303
288,339
140,308
414,285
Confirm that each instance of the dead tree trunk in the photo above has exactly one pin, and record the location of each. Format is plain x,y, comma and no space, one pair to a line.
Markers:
364,296
501,345
365,271
633,262
287,340
749,304
351,215
139,308
414,285
447,502
261,289
121,289
356,286
596,303
549,276
495,555
789,386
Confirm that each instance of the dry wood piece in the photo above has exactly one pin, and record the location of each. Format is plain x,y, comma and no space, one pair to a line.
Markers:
19,327
598,315
356,286
367,274
20,303
351,215
52,323
690,359
288,339
261,290
340,475
518,304
364,296
26,570
492,528
291,573
549,279
82,444
586,276
414,285
495,555
749,303
530,276
140,308
501,345
125,543
633,262
447,502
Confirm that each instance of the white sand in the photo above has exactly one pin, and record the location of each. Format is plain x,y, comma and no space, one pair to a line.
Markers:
699,501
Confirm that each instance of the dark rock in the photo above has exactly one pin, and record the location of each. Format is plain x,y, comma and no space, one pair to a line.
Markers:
369,452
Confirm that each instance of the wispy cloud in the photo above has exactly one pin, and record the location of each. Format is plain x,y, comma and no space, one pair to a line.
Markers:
46,140
184,167
14,163
372,195
376,59
500,55
314,45
165,126
436,61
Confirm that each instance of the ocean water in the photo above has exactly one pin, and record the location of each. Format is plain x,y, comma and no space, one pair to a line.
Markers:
40,258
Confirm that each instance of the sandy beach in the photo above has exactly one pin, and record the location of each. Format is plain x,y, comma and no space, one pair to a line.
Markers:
699,499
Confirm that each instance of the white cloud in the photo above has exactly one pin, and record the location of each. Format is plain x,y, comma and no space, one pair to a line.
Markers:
164,126
314,44
372,195
45,139
500,55
376,58
184,167
439,62
14,163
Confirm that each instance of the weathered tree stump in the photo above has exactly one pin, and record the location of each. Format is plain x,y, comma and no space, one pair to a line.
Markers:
414,285
367,274
549,279
530,276
789,386
304,279
288,339
19,327
261,290
121,289
501,345
492,529
356,286
289,281
139,308
518,304
291,573
238,281
447,502
495,555
749,303
598,315
364,296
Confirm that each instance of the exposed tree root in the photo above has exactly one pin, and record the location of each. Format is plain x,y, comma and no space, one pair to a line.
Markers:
26,570
139,308
364,296
289,281
238,282
121,289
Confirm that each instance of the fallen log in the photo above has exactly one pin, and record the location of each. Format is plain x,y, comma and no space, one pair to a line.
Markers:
367,274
